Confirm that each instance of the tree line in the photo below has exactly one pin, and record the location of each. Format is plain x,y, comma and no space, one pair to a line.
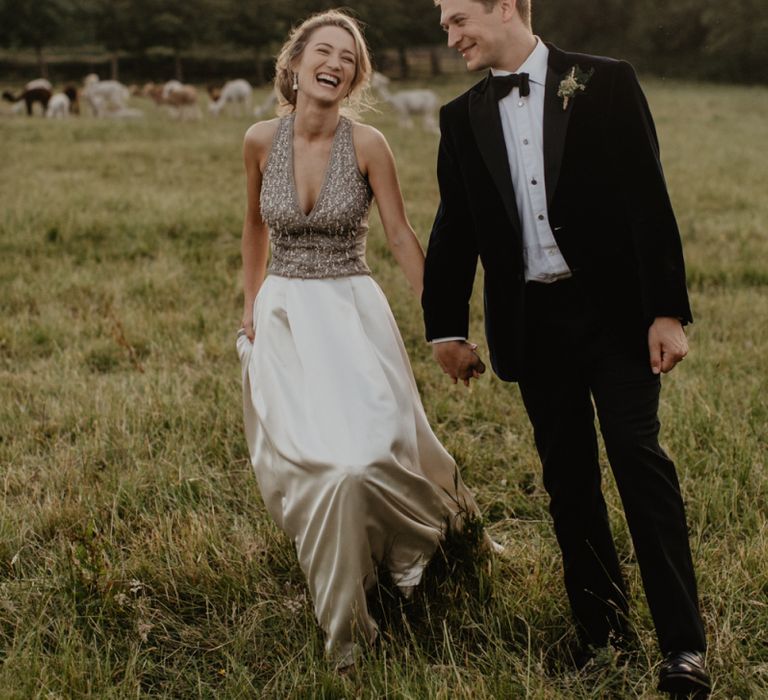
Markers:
704,39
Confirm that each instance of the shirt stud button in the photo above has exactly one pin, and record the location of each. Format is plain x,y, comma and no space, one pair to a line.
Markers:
525,142
541,217
520,104
534,182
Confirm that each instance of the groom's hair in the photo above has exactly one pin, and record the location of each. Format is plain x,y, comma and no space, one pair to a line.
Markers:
523,8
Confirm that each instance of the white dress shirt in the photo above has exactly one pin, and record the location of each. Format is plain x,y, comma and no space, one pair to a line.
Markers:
522,120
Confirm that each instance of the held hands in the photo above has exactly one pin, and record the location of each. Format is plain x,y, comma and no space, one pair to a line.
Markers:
667,343
458,360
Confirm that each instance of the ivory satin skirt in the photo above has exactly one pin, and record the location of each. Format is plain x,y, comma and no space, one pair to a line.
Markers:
345,459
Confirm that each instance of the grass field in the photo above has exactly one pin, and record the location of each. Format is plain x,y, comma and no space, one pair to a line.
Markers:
136,558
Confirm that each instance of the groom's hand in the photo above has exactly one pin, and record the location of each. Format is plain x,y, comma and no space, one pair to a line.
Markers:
667,343
458,360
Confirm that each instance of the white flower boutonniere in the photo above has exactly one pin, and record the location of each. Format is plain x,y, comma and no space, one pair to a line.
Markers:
575,80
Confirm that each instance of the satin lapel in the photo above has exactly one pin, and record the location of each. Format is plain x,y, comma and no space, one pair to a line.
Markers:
486,126
555,129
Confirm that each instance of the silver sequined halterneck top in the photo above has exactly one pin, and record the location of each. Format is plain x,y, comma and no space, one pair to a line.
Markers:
330,240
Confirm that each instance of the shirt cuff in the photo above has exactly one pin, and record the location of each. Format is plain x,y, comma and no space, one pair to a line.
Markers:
448,339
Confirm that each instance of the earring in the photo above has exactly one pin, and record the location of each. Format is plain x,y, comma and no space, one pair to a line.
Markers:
295,82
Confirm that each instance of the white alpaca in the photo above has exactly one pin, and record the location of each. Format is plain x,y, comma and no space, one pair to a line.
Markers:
58,107
409,103
39,84
235,92
105,96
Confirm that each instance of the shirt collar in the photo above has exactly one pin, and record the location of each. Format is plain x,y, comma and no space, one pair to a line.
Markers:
535,65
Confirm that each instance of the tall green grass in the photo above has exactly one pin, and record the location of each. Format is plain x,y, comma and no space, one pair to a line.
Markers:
136,558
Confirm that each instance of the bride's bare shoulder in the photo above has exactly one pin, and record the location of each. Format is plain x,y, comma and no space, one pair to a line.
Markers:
366,136
259,136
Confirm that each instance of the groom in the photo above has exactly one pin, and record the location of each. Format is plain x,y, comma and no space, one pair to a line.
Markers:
549,172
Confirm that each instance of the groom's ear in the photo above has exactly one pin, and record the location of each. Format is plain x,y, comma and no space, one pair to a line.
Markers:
508,9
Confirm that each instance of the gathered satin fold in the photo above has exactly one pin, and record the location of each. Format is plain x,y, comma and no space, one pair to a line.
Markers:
345,459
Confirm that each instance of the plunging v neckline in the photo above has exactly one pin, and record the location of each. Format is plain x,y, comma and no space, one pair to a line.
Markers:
326,175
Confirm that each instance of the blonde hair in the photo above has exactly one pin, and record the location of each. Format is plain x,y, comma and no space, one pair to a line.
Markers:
294,47
523,8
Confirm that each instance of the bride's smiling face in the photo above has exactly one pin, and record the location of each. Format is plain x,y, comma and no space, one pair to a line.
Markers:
328,65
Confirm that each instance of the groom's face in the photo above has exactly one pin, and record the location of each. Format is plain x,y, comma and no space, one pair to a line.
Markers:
474,30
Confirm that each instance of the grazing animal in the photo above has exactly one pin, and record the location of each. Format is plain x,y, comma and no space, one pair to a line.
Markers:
74,103
179,99
268,106
170,86
409,103
39,83
40,95
58,106
235,92
104,96
182,100
154,92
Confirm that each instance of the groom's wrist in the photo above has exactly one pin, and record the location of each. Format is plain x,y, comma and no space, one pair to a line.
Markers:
448,339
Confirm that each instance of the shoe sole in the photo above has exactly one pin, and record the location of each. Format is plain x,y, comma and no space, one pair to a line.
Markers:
684,685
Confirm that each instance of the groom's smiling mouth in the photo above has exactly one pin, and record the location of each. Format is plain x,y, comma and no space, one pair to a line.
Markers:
466,49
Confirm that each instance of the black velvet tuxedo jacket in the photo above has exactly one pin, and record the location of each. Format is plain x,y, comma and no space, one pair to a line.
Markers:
607,205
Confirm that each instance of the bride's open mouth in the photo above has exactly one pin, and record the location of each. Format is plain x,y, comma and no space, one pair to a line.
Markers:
328,79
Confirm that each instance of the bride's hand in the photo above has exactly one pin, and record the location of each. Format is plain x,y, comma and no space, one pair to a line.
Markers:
247,326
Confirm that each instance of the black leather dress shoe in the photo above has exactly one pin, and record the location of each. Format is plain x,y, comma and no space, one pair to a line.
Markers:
682,675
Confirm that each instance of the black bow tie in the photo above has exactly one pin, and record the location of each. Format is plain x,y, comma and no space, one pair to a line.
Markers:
503,84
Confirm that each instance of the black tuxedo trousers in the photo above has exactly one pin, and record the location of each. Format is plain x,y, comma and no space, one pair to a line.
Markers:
572,358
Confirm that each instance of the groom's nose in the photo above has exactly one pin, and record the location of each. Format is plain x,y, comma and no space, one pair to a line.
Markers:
453,36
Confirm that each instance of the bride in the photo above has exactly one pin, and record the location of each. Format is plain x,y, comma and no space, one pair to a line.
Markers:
346,462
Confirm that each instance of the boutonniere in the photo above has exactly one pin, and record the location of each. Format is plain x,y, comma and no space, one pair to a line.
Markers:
575,80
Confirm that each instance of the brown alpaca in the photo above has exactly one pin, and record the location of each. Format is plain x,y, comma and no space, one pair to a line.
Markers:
30,96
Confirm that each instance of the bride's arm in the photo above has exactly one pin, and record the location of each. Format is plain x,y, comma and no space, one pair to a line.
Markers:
254,245
379,163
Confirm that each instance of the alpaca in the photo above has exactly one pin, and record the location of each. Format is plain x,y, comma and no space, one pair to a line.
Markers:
409,103
179,99
104,95
74,103
182,99
30,97
171,86
58,106
236,92
39,83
